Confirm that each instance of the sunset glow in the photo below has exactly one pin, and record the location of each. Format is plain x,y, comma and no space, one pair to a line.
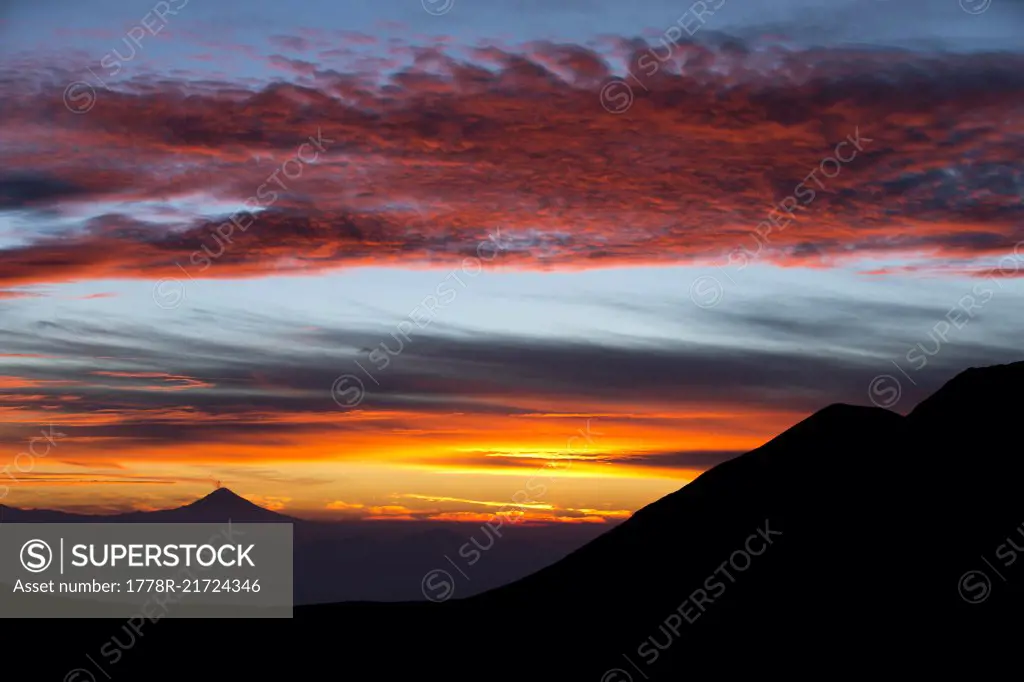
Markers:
380,263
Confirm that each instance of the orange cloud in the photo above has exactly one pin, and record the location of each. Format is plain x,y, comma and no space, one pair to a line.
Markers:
339,505
176,383
271,502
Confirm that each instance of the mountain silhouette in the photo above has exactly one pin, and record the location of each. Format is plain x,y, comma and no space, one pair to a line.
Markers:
857,539
220,506
352,560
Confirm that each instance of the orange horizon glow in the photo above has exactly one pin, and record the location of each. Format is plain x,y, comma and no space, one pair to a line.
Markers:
463,467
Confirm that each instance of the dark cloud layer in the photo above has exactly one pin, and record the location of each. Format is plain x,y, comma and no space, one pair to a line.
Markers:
146,386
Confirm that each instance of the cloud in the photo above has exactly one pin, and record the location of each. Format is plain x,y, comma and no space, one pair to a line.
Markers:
271,502
170,382
508,512
340,505
18,191
295,66
294,43
77,478
718,136
698,460
486,403
393,512
482,503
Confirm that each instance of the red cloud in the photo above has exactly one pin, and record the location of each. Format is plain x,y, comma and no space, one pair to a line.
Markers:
713,149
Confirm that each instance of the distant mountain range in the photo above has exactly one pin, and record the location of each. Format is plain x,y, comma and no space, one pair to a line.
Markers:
859,539
218,507
360,560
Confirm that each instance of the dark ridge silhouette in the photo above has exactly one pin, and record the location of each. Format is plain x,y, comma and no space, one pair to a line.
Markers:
840,545
354,560
220,506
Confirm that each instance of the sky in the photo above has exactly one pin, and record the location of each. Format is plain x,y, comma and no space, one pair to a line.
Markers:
416,260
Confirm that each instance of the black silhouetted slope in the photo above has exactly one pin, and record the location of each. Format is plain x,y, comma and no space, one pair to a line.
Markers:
971,464
804,502
872,518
